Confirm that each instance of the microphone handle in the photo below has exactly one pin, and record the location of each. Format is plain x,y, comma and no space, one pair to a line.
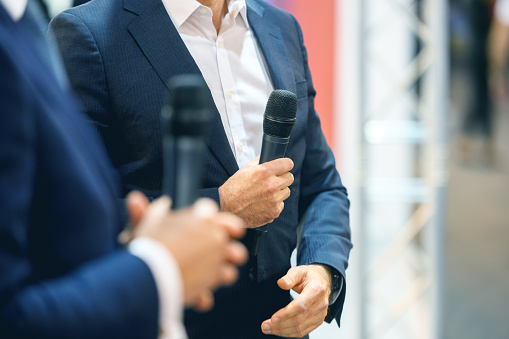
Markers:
273,148
183,157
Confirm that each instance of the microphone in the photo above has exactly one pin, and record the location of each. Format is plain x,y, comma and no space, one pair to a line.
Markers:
185,116
278,122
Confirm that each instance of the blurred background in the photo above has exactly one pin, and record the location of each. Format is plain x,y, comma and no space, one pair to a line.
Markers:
413,100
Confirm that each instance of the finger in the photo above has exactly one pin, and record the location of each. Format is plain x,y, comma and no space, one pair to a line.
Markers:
137,205
306,316
253,162
205,208
228,274
236,253
157,210
233,225
279,166
286,179
294,277
160,203
204,301
256,160
300,328
283,194
298,325
300,305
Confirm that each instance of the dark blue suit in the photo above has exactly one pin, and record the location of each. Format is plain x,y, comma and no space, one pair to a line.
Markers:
120,56
62,274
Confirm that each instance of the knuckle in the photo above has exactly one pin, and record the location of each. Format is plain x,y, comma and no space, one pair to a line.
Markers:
300,307
281,207
269,216
291,178
274,214
262,170
320,290
288,191
270,188
298,320
289,162
273,187
267,190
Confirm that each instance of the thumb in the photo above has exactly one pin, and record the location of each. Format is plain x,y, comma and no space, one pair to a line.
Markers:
294,277
254,162
137,205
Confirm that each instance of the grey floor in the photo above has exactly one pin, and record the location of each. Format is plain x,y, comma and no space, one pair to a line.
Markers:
477,262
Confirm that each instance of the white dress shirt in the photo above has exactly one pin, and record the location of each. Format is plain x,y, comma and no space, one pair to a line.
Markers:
233,67
159,260
169,285
15,8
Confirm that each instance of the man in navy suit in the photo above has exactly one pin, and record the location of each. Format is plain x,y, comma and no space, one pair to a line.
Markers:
121,56
62,272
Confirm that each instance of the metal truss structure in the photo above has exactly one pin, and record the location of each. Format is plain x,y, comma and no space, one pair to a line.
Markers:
402,162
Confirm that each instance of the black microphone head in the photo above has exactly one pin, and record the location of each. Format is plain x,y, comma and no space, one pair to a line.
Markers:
280,113
186,111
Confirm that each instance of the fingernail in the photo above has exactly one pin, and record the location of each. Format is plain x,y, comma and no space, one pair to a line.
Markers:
276,320
266,328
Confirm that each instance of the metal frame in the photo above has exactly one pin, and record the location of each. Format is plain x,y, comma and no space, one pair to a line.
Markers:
419,128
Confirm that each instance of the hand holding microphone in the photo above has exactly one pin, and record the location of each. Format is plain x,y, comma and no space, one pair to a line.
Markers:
256,193
198,238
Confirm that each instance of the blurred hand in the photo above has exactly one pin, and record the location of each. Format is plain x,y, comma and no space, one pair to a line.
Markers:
497,85
256,193
199,239
309,309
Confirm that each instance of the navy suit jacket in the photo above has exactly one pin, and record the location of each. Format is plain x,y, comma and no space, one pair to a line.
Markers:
120,56
62,274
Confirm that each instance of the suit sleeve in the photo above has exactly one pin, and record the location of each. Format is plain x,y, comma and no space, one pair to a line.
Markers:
113,296
323,204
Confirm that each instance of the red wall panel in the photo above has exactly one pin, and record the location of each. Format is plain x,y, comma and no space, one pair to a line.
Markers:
317,19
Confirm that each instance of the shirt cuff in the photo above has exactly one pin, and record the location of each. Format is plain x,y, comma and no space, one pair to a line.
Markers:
168,281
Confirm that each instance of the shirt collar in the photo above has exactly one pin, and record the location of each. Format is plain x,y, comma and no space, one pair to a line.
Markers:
15,8
181,10
239,6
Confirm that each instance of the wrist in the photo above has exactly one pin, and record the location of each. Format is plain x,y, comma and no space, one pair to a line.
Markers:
335,282
223,203
326,273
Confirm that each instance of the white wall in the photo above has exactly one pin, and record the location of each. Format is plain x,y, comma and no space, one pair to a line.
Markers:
57,6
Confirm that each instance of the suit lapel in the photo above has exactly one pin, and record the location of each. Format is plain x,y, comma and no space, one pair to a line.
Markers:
273,48
161,44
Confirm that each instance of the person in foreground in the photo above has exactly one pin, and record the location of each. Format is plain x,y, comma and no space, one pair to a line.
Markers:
62,272
121,56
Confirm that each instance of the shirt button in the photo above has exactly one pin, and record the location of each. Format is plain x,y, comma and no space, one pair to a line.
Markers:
230,94
203,11
241,145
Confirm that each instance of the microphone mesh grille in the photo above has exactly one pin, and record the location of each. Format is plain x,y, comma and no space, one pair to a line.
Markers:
280,114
